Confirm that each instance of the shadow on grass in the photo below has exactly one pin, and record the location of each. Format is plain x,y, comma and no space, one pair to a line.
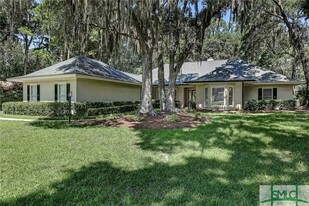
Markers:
227,130
258,152
199,182
56,125
67,118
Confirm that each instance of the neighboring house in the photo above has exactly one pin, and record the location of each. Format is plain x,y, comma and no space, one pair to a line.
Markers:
228,84
211,84
88,80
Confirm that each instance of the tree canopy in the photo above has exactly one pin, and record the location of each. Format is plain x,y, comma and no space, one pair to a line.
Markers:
135,36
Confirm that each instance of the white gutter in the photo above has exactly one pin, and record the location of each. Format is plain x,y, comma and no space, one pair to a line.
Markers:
65,77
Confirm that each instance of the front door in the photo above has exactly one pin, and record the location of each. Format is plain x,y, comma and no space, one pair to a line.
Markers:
190,96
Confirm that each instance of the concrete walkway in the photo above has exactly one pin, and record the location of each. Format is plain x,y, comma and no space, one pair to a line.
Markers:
17,119
30,120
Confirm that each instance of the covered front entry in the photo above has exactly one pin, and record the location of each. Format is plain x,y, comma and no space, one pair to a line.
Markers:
219,95
190,95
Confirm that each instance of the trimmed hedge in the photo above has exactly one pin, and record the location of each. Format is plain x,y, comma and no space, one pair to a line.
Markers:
81,108
60,109
52,109
110,110
258,105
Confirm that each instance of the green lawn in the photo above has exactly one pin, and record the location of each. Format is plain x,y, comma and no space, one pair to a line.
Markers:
221,163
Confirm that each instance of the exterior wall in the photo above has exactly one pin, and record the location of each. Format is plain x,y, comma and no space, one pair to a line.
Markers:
238,95
284,92
97,90
180,95
47,93
200,96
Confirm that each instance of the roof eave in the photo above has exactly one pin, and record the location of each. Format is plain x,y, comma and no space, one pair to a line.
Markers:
106,79
210,81
43,77
66,76
281,82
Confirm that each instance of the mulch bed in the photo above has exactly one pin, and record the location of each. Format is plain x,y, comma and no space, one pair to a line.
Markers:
161,121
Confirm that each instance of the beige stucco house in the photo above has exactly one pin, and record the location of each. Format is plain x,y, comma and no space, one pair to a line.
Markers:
227,84
88,81
210,84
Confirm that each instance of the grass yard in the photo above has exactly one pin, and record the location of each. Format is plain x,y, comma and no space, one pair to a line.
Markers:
220,163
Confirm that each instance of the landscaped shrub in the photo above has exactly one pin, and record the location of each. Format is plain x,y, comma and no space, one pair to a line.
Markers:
81,108
251,105
111,110
156,104
59,109
288,105
10,91
52,109
254,105
272,104
261,105
301,95
172,118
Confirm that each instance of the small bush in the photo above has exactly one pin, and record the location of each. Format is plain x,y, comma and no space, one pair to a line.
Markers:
173,118
134,118
272,105
251,105
192,105
156,104
288,105
302,95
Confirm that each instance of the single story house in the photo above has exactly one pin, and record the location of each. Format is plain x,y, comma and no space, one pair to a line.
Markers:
88,81
211,84
227,84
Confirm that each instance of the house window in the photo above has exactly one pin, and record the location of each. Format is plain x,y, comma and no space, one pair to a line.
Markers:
206,97
217,97
230,100
62,92
267,93
33,93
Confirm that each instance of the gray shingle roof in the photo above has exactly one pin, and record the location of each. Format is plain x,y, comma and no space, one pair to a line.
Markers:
239,70
189,70
84,66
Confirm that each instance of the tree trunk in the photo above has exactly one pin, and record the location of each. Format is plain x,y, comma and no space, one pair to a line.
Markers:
146,104
161,77
170,97
26,54
298,46
305,65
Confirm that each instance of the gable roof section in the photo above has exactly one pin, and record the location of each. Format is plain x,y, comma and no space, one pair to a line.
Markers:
83,66
189,71
239,70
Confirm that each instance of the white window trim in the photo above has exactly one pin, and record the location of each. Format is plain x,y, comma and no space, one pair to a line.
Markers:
272,92
224,100
33,85
233,102
65,84
208,100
